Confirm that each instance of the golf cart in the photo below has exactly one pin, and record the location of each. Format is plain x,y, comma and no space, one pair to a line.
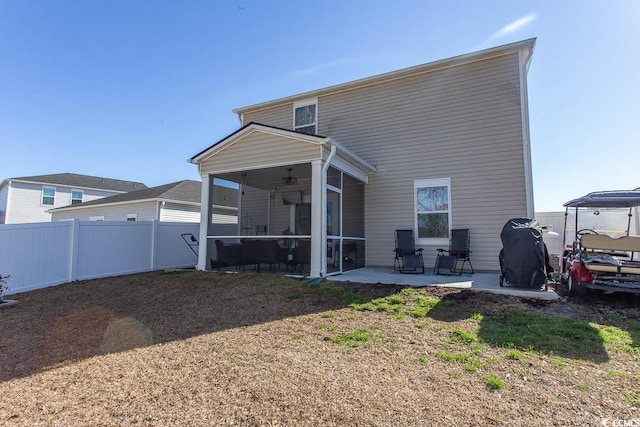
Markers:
601,241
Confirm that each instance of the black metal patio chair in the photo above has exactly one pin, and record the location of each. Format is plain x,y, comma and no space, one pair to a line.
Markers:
408,258
459,245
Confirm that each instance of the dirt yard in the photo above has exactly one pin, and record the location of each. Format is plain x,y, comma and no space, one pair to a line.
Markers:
205,349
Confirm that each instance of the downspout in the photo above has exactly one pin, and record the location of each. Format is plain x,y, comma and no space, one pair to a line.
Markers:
323,203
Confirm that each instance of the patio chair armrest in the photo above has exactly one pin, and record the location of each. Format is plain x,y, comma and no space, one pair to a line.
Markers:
442,250
419,250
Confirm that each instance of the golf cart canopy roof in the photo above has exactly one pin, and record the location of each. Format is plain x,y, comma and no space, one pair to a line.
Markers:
606,199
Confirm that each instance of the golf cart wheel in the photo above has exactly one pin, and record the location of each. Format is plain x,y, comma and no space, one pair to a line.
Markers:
574,288
501,279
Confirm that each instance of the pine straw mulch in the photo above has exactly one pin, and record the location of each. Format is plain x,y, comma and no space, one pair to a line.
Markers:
194,348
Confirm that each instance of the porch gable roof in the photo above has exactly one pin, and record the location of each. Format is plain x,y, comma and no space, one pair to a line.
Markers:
252,127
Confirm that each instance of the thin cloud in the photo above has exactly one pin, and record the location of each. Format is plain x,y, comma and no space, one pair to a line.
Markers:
514,26
507,30
310,71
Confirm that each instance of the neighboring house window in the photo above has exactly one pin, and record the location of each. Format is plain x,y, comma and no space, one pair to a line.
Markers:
48,196
433,209
132,217
76,197
305,116
96,218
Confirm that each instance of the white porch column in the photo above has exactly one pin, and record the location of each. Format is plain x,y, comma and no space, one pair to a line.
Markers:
205,218
316,218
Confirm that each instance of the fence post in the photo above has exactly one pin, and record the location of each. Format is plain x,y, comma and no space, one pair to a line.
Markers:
154,240
73,253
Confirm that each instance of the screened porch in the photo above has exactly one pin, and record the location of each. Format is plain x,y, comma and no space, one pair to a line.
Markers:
261,220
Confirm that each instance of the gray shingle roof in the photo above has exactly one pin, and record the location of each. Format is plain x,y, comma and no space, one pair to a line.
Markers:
183,191
84,181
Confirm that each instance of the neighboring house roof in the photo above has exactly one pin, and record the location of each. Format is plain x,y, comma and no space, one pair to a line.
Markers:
81,181
186,192
524,45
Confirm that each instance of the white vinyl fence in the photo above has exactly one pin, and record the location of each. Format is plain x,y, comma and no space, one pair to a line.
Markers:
50,253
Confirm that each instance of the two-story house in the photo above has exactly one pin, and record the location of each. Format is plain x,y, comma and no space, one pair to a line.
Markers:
174,202
433,147
29,198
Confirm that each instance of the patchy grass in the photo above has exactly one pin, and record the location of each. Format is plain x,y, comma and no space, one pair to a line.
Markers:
632,398
541,333
352,339
257,343
409,301
616,339
465,337
494,382
452,357
513,354
558,363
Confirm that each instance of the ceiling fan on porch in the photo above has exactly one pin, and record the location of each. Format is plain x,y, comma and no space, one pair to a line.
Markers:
289,180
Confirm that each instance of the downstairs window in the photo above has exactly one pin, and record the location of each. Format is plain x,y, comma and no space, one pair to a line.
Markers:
432,210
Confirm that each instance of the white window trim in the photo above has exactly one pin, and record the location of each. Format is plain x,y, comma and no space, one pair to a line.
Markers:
71,195
96,218
304,103
434,182
42,196
132,217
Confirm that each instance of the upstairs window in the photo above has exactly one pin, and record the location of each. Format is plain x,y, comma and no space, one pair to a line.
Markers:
433,209
48,196
76,197
305,116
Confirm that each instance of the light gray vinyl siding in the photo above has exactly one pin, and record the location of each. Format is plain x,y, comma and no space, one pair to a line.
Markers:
174,212
4,194
279,116
250,153
462,123
26,201
146,211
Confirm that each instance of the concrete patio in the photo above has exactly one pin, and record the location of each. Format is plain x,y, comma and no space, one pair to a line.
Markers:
480,282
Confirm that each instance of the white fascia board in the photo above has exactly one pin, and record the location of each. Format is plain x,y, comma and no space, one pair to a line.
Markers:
352,157
179,202
97,205
128,202
349,169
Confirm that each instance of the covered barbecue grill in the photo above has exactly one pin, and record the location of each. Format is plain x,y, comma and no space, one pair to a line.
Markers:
523,258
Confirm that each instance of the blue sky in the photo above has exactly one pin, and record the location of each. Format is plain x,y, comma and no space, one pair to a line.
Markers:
131,89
